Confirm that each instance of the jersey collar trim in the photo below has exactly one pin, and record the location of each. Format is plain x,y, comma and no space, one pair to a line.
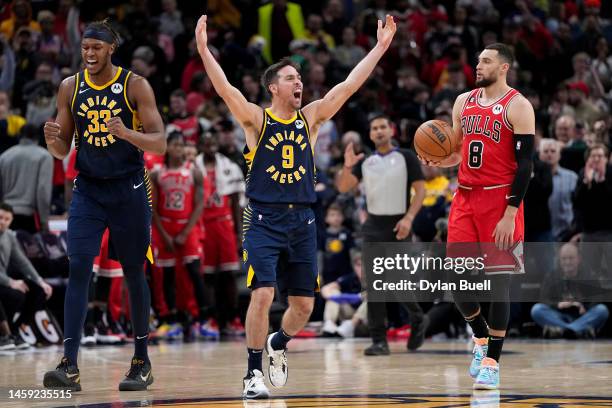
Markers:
479,95
283,121
100,87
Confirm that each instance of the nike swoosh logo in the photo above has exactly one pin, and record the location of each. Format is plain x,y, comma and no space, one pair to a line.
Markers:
83,90
509,196
272,123
138,185
145,377
72,375
311,221
140,338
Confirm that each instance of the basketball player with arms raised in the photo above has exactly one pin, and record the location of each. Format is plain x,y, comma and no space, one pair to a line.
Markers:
495,125
113,117
279,227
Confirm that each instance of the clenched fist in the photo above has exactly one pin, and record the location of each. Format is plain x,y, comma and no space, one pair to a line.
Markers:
116,127
52,132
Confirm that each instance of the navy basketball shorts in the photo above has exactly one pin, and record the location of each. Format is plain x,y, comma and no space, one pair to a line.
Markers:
280,247
123,205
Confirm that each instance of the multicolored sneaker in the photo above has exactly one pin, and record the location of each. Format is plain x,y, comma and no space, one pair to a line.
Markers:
175,332
488,377
235,328
162,330
479,352
210,330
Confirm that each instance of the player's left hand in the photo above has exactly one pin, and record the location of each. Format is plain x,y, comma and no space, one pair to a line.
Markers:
402,228
180,239
116,127
385,34
504,233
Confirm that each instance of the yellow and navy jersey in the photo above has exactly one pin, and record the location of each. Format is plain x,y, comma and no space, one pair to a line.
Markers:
99,153
281,167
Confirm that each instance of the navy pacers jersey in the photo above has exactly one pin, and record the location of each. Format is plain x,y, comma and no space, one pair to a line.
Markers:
281,167
100,154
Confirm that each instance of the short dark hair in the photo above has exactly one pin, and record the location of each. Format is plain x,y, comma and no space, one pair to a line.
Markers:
6,207
30,131
271,73
106,25
596,146
503,51
378,115
179,93
335,207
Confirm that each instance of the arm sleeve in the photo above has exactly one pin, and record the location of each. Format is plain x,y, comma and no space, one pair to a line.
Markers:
21,263
523,152
357,172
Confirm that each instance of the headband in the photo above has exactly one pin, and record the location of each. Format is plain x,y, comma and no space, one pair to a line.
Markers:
99,34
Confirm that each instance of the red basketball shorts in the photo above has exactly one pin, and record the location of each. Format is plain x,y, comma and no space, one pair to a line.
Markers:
220,246
473,217
189,251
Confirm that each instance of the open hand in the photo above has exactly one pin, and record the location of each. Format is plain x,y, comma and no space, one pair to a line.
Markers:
385,34
200,33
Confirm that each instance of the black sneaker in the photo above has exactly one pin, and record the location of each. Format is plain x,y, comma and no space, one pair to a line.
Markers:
417,334
20,344
6,343
380,348
138,378
64,376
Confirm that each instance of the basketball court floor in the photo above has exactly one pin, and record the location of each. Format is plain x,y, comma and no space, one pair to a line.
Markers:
330,373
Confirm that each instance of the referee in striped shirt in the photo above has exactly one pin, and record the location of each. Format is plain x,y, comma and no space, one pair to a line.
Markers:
388,175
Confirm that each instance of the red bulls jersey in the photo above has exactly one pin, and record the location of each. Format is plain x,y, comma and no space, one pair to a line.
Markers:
488,147
176,190
190,127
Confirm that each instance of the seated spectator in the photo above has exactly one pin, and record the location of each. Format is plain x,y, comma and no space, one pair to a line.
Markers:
565,314
434,205
9,341
26,173
335,246
24,295
344,303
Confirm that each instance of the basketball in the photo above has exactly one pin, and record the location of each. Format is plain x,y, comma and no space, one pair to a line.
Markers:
434,140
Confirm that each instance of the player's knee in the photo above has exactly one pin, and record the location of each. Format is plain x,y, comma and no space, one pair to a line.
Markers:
81,267
261,298
302,305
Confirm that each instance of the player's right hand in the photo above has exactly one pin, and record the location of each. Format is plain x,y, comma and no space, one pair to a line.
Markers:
350,158
168,243
200,31
52,131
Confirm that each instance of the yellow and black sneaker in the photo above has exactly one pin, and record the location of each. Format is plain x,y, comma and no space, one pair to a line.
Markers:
65,376
139,377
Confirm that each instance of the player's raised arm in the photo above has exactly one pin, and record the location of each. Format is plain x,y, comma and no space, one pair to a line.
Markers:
321,110
248,114
58,134
153,138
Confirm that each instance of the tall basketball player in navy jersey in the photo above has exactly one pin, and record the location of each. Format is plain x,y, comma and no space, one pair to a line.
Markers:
279,230
112,115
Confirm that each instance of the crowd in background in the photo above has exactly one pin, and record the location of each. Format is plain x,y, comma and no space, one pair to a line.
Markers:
563,66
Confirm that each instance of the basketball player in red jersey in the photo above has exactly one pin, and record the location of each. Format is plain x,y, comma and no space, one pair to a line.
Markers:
224,183
496,126
177,207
